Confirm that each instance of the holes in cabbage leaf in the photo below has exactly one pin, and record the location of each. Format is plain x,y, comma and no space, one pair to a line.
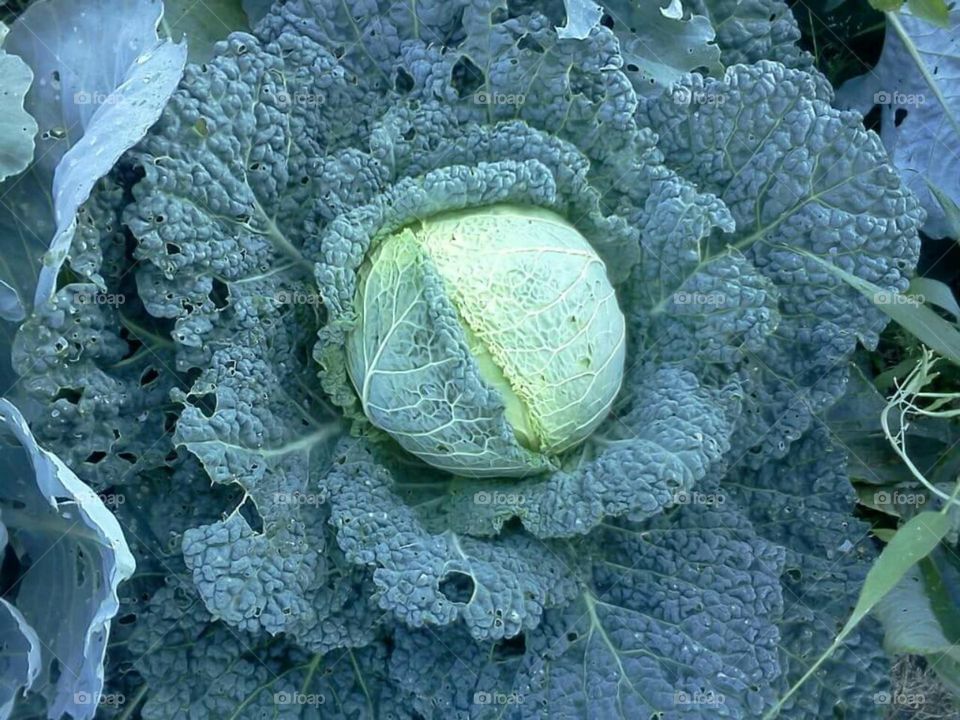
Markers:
128,619
529,43
403,82
148,376
133,344
510,648
71,395
250,514
169,422
899,116
457,587
219,294
128,457
80,558
466,78
206,403
872,119
95,457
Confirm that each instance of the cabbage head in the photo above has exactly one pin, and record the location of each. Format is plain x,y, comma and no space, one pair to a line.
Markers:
513,296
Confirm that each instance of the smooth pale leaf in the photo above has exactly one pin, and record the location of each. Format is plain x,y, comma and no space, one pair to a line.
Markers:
931,329
19,654
884,534
916,85
661,47
79,558
912,542
919,618
886,5
936,11
908,619
102,79
203,24
951,210
582,17
936,293
255,9
17,127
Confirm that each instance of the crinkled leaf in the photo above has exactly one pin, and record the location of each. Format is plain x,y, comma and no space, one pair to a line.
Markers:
753,30
803,503
498,588
767,143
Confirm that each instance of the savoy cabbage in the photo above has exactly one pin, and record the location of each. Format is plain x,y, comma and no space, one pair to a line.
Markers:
370,472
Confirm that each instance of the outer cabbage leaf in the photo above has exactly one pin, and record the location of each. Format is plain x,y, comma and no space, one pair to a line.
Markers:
225,265
916,83
97,372
658,45
675,616
198,670
17,126
281,577
752,30
493,68
90,110
804,504
235,183
767,143
79,557
499,589
20,661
